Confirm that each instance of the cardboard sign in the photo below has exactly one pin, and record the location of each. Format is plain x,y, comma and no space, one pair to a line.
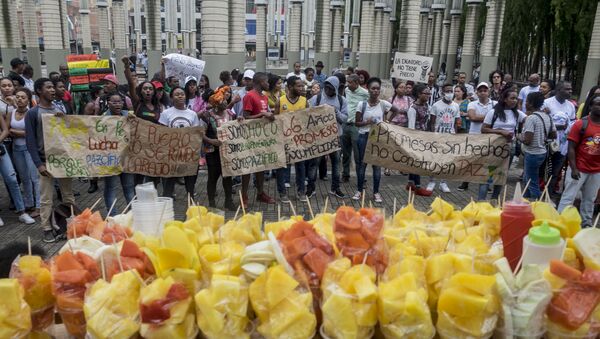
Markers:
85,146
309,133
411,67
479,158
182,66
159,151
251,146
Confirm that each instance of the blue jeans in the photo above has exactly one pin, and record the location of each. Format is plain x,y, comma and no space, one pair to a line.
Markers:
335,170
110,189
557,160
415,179
532,173
29,175
362,145
10,178
283,176
306,169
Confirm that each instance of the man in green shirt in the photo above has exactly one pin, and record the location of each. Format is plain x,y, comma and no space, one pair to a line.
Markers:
354,94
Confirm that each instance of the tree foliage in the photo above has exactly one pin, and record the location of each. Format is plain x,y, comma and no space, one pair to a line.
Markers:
550,37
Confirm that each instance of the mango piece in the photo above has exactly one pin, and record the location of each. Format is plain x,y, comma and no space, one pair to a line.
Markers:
480,284
462,302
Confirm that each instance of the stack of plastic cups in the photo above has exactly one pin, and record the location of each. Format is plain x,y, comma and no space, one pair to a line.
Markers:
150,212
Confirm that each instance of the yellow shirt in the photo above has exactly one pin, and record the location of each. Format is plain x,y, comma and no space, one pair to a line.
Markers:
286,106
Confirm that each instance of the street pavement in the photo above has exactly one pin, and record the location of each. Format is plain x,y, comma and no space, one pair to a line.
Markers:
391,187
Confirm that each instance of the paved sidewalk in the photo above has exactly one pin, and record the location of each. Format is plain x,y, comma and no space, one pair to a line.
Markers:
391,187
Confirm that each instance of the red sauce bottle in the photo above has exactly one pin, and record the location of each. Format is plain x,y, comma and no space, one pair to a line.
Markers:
515,222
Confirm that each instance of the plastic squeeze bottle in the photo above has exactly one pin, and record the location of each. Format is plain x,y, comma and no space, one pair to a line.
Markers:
542,244
515,221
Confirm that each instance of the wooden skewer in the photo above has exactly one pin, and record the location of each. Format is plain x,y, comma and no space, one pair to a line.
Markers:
236,213
596,221
409,193
188,200
129,204
96,203
193,201
70,247
29,245
102,267
412,198
292,208
394,213
278,212
312,215
520,261
326,202
526,186
362,203
545,192
504,195
110,209
161,216
242,203
72,214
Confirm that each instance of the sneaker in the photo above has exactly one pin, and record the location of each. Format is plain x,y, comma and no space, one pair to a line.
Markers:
423,192
26,219
378,198
338,193
48,237
463,187
263,197
345,179
287,185
356,196
431,186
305,182
324,178
284,198
302,197
34,213
1,222
444,187
93,187
310,194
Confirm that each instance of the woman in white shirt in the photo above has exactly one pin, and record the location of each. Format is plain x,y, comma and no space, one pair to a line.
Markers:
368,113
179,116
504,120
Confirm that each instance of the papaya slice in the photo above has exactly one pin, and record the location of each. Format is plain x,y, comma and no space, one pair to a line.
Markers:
75,277
132,250
67,261
317,261
564,271
347,218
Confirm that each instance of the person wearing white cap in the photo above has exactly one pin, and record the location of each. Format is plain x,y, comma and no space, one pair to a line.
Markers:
238,98
477,111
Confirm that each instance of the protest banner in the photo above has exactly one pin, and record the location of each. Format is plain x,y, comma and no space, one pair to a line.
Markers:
411,67
479,158
159,151
309,133
84,146
182,66
251,146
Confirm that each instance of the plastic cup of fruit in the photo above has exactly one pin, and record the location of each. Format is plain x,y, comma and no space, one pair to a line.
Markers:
42,318
74,321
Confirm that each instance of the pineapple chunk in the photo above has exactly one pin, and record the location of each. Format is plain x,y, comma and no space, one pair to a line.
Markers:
279,285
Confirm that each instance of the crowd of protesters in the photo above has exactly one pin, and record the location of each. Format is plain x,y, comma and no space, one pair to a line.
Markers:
558,140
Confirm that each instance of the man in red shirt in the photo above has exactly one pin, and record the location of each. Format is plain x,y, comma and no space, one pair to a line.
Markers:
584,163
256,106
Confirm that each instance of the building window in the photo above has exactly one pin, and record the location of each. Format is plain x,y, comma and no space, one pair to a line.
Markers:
143,25
178,25
251,27
250,7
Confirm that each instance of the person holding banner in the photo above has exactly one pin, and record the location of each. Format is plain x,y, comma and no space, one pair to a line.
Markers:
294,101
370,112
330,97
115,108
256,106
418,118
216,118
445,118
179,116
504,120
34,136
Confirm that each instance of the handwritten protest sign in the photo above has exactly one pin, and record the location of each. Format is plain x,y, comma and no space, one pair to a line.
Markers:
481,158
251,146
182,66
84,146
159,151
309,133
411,67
